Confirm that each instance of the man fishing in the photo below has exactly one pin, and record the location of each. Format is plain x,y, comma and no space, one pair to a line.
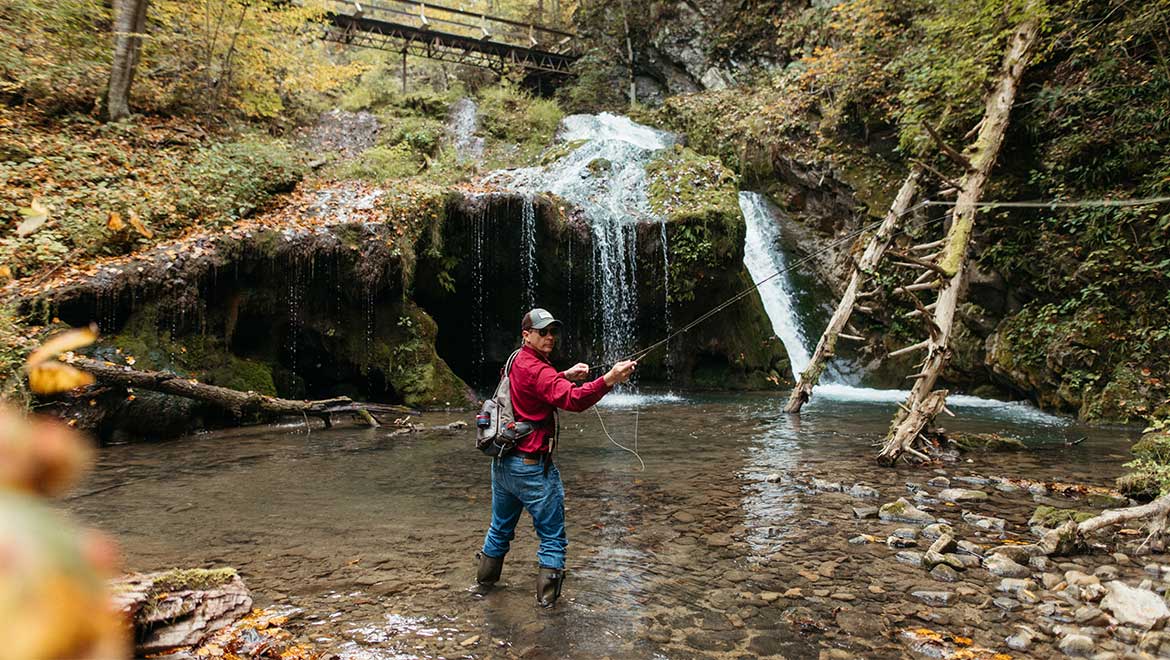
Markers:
526,478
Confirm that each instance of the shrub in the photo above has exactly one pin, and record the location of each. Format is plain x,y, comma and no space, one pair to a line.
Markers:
512,115
382,164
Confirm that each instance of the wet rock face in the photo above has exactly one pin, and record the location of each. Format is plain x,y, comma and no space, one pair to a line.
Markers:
475,285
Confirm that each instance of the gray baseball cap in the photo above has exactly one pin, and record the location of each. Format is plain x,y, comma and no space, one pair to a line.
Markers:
537,319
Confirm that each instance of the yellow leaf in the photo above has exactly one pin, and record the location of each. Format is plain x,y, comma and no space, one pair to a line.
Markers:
136,222
62,342
54,377
115,222
34,216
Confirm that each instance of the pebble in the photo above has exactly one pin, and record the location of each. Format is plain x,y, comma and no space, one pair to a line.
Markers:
470,641
905,533
900,542
909,557
826,486
988,523
1087,615
1001,566
862,539
770,596
1021,639
933,597
962,495
936,530
939,482
1050,580
875,589
843,595
794,592
862,491
1106,573
1006,604
684,516
864,512
1012,585
1079,646
944,573
970,548
1040,563
1080,579
718,540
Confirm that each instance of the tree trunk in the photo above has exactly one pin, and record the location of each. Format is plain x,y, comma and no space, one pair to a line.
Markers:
238,403
129,24
1070,536
913,417
861,271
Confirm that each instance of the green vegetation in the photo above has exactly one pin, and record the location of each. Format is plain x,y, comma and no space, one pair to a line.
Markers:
698,197
1150,476
1051,517
520,124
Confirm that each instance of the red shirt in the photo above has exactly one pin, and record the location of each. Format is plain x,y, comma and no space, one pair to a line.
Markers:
537,389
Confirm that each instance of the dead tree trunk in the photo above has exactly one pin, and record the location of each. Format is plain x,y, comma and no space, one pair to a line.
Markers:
240,404
980,156
129,24
1072,535
874,251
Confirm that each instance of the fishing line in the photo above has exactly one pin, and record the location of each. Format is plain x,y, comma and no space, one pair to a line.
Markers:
617,444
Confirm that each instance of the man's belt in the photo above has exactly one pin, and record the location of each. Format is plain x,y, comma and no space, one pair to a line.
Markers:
531,457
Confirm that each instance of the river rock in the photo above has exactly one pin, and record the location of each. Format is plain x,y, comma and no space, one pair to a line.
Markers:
718,540
1021,640
988,523
999,565
944,573
827,486
962,495
1017,553
1006,604
1138,607
1012,585
934,597
1077,646
1080,579
895,541
1087,615
903,511
939,482
936,530
909,557
864,512
1092,592
863,491
170,609
969,548
1106,573
1040,563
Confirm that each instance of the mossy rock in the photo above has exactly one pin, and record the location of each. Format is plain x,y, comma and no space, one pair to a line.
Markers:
1142,484
987,442
192,579
1051,517
1154,445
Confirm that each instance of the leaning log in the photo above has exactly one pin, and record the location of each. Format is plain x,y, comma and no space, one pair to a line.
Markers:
953,260
239,404
869,260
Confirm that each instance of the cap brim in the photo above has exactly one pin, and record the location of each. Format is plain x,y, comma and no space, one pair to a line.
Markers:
546,323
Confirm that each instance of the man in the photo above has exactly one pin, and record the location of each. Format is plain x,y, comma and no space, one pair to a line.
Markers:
526,478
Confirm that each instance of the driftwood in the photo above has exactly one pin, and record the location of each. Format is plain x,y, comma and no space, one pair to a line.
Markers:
869,260
1072,535
240,404
952,263
179,608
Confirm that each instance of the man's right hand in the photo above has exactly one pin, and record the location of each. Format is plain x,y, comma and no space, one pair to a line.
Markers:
620,372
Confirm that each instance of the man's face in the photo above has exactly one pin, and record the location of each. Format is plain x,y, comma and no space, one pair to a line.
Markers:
545,343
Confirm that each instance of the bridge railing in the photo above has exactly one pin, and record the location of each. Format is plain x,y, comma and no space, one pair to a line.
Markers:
450,20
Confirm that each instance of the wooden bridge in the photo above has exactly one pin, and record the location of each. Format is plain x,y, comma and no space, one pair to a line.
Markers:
425,29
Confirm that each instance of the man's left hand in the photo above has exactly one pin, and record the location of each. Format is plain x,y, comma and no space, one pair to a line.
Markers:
578,371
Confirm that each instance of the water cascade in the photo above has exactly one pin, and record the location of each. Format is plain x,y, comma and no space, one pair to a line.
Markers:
461,126
764,257
603,172
528,233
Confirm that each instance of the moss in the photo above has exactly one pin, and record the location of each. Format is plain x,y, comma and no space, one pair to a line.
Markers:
1048,516
1154,445
681,185
192,579
987,442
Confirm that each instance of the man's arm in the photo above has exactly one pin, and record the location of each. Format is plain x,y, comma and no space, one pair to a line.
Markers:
556,390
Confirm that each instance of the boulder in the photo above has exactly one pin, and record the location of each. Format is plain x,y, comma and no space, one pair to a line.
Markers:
177,608
903,511
1141,608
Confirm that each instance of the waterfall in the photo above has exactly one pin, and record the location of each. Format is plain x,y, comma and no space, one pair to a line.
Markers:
763,258
528,235
461,126
603,173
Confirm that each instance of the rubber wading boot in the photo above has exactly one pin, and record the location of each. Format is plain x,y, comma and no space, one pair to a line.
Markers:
489,569
548,585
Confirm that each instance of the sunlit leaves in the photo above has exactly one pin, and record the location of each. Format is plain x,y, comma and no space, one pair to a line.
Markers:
34,218
47,376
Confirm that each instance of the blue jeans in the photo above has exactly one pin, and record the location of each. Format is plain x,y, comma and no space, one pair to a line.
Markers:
516,487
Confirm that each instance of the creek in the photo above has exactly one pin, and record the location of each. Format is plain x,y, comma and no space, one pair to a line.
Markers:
722,547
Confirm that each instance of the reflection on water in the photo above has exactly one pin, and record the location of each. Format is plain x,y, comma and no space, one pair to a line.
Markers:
373,536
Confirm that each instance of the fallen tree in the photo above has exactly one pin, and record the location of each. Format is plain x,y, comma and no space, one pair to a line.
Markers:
949,268
1072,535
239,404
